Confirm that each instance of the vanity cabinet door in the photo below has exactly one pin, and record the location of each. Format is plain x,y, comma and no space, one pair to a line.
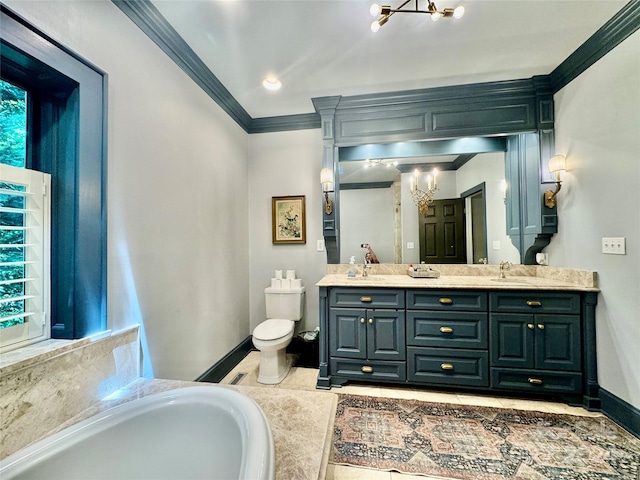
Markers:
512,340
348,333
386,335
558,342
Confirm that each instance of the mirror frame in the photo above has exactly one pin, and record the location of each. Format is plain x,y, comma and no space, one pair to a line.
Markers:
451,119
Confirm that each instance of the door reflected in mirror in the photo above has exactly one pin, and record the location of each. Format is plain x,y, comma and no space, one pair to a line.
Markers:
466,222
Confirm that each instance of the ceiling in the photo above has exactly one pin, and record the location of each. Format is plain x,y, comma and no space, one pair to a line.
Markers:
325,47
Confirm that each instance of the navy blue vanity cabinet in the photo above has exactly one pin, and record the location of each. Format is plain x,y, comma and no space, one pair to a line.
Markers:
491,340
536,341
367,334
447,338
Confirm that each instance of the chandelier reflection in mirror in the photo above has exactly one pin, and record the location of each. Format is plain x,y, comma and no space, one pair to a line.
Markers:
369,163
385,12
423,198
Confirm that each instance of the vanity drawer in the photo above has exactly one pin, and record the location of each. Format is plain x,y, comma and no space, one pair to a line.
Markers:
536,381
365,369
427,328
366,297
543,302
446,300
439,366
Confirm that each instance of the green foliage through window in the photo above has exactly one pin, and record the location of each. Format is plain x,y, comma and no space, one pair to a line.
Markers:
13,125
13,149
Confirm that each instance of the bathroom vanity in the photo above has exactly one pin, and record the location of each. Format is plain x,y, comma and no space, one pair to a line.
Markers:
522,334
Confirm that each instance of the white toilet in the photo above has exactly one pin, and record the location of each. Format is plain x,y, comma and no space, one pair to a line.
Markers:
271,337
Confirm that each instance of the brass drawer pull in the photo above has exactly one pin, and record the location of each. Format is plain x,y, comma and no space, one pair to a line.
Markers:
362,320
541,326
370,321
367,369
366,299
446,366
531,326
534,381
534,303
446,330
446,301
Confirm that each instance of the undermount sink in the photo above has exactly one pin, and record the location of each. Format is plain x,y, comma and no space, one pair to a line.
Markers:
368,278
510,280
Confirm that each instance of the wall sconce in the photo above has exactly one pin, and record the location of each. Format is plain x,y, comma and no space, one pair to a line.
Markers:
503,189
326,178
557,164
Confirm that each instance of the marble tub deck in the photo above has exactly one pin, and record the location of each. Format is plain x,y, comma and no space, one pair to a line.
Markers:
301,421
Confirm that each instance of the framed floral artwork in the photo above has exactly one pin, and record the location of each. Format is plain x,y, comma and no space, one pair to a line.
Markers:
288,220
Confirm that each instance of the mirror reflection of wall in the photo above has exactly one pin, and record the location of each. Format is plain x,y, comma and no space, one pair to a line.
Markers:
386,217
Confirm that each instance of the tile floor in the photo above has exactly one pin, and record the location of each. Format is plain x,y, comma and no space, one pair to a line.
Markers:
305,379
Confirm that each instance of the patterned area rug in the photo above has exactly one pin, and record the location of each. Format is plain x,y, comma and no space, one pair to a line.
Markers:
480,443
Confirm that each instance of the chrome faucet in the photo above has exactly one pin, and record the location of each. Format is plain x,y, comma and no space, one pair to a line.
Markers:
504,266
366,266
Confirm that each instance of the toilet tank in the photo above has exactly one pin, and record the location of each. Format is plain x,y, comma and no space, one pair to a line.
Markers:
287,304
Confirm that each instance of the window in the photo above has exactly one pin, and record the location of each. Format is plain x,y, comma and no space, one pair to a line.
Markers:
66,138
24,256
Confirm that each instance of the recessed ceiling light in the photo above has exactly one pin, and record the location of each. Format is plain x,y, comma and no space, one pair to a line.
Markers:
271,83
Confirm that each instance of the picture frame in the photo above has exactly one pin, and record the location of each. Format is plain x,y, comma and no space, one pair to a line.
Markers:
288,220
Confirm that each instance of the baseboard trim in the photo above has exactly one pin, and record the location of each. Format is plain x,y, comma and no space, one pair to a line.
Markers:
621,412
223,366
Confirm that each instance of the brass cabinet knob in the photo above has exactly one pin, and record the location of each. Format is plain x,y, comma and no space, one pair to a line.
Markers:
367,369
370,321
534,381
531,326
446,330
366,299
446,301
362,320
446,366
534,303
541,326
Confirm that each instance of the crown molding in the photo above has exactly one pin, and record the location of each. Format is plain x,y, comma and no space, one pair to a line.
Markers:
303,121
157,28
622,25
147,17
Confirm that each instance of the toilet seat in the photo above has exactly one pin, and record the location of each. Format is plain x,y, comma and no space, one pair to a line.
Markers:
273,329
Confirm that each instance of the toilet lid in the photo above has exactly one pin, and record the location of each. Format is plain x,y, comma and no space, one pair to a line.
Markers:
273,329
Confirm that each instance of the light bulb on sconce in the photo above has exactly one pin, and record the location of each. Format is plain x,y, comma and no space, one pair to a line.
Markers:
557,164
503,189
326,178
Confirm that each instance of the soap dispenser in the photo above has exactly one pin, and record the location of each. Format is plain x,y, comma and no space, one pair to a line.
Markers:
352,267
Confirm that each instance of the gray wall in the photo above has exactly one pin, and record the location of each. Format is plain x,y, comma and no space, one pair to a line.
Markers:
281,164
177,194
598,129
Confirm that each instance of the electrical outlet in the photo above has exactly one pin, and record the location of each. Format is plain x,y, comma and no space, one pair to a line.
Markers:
320,245
410,245
614,245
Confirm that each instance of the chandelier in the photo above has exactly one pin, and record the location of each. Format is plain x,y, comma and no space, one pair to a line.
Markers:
423,198
385,12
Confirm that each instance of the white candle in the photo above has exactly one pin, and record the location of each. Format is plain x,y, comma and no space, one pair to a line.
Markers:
435,177
429,181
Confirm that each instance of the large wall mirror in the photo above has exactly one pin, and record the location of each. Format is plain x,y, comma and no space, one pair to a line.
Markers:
476,135
465,224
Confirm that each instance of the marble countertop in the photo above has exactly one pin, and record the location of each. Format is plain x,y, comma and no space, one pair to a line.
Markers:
521,277
301,421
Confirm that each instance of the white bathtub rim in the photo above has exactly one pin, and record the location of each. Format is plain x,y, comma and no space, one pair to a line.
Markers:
243,408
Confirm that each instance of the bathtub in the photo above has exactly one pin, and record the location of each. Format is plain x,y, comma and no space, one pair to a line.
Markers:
202,432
